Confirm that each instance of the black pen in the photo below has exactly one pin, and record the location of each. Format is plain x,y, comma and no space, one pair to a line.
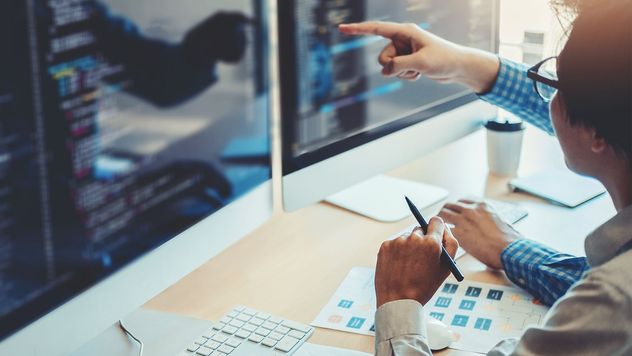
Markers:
444,254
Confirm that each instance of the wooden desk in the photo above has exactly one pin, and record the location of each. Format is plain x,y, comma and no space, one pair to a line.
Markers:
293,264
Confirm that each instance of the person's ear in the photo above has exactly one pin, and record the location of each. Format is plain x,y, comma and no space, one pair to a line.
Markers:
597,144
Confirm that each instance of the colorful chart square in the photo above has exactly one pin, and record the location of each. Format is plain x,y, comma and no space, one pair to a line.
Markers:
345,304
494,294
438,316
450,288
482,324
356,323
443,302
467,304
460,320
473,291
335,319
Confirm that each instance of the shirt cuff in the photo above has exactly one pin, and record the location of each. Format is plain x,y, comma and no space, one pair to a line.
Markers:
519,255
510,75
401,317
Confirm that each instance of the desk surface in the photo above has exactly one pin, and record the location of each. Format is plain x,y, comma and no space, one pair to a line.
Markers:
293,264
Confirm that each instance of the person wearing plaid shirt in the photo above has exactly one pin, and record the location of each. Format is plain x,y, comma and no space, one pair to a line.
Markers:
545,273
590,109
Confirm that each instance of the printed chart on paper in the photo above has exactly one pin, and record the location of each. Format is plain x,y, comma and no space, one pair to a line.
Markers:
480,315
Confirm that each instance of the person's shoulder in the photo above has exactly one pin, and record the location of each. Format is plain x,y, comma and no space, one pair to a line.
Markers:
614,277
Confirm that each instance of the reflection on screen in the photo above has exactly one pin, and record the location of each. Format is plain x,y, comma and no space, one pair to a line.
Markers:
340,89
122,123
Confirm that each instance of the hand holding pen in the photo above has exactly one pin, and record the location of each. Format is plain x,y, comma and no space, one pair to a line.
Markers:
411,266
444,254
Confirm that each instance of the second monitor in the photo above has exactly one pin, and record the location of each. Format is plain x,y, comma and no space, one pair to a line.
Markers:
343,122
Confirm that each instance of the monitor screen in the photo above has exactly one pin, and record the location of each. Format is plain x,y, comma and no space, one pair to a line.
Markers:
333,95
122,124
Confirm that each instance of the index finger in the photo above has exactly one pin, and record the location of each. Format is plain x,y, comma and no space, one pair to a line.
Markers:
379,28
436,227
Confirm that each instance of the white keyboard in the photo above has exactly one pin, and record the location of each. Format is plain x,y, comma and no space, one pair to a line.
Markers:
248,332
509,212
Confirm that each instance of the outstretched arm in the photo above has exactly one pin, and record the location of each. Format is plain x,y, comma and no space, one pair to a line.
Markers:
165,73
414,52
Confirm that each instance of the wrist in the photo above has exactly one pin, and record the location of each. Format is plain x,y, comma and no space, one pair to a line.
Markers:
498,252
478,69
409,294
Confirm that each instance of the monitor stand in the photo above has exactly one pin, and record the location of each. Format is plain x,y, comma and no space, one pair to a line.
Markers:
382,197
163,334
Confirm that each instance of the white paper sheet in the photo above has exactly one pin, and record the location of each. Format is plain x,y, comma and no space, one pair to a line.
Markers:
318,350
480,315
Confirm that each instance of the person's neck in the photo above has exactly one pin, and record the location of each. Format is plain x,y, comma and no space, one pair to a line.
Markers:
618,183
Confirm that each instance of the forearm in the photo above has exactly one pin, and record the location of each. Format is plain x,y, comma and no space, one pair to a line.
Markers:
477,69
545,273
514,92
157,71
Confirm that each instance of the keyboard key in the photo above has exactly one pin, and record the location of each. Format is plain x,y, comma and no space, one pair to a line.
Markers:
286,344
262,332
225,349
256,321
268,325
220,338
239,308
250,328
209,334
255,338
275,320
244,317
276,336
217,353
226,320
200,340
204,351
193,347
268,342
233,342
263,315
212,344
236,323
229,329
218,326
249,311
282,329
233,314
297,334
243,334
296,326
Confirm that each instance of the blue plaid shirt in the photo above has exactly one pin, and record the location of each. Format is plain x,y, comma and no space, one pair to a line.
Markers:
545,273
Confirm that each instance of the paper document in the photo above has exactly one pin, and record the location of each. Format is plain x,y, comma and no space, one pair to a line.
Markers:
318,350
479,314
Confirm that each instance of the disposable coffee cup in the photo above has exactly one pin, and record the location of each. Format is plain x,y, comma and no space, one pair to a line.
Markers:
504,146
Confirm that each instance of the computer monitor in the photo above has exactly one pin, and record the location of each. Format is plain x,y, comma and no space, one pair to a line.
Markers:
342,122
134,137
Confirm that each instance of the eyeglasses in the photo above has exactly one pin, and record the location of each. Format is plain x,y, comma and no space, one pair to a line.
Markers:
544,76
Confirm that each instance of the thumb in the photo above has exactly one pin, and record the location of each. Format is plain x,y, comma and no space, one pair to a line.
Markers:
400,64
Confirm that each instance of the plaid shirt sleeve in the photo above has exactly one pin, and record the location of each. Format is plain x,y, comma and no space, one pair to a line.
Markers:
514,92
545,273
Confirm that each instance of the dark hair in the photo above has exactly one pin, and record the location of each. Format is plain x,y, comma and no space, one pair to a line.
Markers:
595,70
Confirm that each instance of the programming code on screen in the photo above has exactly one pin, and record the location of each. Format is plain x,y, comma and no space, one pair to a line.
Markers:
340,91
122,123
